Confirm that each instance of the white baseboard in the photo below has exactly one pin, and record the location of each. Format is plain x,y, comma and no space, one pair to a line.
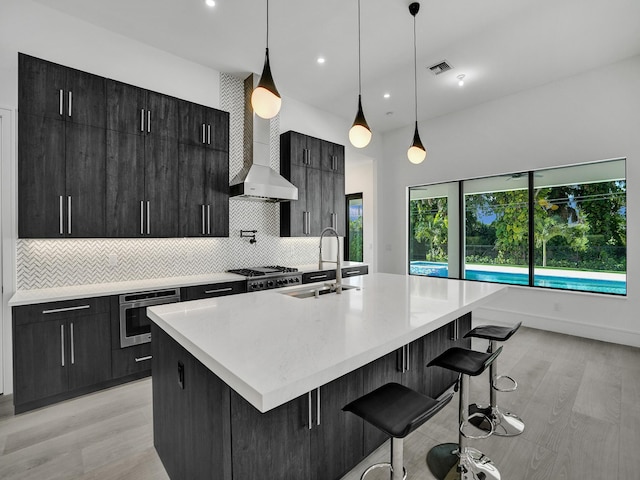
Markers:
559,325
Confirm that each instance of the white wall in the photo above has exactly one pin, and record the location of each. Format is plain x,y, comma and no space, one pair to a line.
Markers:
34,29
359,178
592,116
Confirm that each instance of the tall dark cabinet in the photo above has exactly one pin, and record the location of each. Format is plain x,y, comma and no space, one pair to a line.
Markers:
142,162
101,158
316,167
204,171
61,151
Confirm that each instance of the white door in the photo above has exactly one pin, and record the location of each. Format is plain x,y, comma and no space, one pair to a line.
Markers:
7,242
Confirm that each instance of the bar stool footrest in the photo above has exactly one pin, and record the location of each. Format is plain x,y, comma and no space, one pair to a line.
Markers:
482,419
382,465
496,387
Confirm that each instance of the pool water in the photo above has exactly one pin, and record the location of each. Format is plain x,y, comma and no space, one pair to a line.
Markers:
567,283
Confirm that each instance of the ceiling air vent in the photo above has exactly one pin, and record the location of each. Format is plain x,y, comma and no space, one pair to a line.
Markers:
440,67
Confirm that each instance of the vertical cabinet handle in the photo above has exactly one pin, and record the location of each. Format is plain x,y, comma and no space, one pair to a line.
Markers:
141,217
70,101
69,214
318,407
61,96
148,217
309,410
202,216
208,134
61,216
208,219
203,133
142,120
73,352
148,121
62,345
454,333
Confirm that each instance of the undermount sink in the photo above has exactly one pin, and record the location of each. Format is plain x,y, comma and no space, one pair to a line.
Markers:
315,292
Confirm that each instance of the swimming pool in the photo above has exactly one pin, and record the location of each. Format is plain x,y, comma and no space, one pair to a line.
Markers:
598,285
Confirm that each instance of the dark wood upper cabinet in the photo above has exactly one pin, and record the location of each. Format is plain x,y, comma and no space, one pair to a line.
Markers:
41,177
316,167
98,157
125,184
126,106
54,91
203,192
161,187
203,126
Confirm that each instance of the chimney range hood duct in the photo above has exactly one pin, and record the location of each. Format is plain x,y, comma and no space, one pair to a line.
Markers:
256,180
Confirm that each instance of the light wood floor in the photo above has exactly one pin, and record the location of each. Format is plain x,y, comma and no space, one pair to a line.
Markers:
580,400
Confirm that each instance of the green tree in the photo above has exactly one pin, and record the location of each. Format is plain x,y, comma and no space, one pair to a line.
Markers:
430,226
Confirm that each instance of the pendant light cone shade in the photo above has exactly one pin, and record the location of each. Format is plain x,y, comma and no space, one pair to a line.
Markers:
360,133
265,99
416,153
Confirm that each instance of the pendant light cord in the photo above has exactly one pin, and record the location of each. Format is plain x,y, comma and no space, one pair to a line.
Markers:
267,24
359,53
415,69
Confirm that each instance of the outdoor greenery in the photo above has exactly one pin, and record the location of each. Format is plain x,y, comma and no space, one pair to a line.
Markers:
575,226
355,239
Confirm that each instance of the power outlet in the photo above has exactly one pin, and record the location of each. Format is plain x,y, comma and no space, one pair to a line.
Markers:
189,256
113,260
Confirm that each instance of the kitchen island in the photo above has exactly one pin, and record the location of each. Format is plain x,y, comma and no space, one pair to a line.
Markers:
251,386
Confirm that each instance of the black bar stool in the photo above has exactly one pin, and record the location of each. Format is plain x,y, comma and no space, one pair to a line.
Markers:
506,424
458,461
397,411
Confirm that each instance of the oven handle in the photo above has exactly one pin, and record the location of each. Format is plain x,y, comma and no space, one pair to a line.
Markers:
149,303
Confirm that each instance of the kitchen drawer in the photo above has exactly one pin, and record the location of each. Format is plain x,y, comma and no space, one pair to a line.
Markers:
213,290
126,361
318,276
67,309
355,271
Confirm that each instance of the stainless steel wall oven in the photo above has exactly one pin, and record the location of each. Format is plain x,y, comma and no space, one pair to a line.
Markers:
135,327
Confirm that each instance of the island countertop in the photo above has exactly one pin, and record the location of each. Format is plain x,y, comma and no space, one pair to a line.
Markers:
271,347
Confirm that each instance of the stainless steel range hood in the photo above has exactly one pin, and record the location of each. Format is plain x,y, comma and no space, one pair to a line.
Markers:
256,180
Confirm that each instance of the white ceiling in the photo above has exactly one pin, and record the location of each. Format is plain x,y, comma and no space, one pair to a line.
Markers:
502,46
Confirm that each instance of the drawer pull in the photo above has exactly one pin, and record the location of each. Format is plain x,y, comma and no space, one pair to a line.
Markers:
352,272
317,277
143,359
68,309
219,290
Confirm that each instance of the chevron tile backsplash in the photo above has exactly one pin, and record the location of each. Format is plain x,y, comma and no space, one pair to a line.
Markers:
60,262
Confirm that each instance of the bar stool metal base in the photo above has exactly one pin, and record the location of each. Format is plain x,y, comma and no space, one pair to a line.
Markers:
446,463
506,424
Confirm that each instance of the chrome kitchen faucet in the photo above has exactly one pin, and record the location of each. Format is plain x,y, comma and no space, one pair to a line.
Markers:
338,283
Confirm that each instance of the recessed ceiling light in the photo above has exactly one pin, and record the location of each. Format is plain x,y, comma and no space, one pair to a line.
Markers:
386,95
321,60
460,79
210,3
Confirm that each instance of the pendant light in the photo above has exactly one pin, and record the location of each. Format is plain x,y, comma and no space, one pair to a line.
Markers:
416,153
265,98
360,133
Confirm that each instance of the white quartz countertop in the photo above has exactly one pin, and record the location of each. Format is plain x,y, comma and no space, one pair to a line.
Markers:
44,295
271,348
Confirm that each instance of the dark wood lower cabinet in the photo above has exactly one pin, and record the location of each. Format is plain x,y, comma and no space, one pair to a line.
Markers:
337,442
60,350
204,429
191,414
274,444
